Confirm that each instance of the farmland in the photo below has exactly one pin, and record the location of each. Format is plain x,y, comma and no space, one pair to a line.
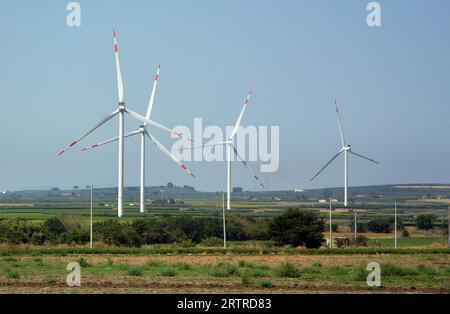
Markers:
40,271
420,264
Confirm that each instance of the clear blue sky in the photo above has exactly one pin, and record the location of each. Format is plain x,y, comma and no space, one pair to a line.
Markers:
298,56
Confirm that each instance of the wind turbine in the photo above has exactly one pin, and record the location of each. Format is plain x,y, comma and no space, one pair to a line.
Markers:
230,147
143,133
121,112
346,149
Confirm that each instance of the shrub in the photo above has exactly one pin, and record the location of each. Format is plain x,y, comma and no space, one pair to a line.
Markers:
187,243
13,275
360,274
288,270
115,233
298,228
74,236
212,241
396,270
245,276
83,262
223,270
135,271
342,242
265,283
183,266
427,270
153,264
405,233
168,272
259,272
360,240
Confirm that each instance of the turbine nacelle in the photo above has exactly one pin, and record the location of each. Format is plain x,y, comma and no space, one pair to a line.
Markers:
347,148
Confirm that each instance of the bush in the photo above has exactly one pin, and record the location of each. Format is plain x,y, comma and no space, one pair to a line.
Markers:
425,221
74,236
288,270
83,262
405,233
342,242
168,272
245,277
360,240
360,274
183,266
135,271
187,243
396,270
13,275
265,283
298,228
223,270
427,270
212,241
115,233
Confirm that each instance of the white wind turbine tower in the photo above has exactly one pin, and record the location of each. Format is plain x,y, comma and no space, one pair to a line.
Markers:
121,112
345,149
143,133
230,147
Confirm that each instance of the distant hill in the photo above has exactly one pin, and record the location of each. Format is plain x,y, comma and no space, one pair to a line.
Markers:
358,193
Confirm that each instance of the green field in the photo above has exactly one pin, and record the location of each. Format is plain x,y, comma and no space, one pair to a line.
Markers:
411,242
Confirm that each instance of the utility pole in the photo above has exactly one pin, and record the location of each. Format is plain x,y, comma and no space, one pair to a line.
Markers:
92,193
224,223
356,224
395,222
331,235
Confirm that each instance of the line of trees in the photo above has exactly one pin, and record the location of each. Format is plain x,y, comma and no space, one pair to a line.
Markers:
293,227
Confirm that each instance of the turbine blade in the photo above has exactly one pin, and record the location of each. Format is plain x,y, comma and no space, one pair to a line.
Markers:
137,116
238,122
152,96
254,176
364,157
203,146
341,131
326,165
168,153
102,121
118,72
110,140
